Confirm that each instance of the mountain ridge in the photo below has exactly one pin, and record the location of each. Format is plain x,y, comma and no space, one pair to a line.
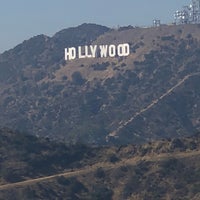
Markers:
85,100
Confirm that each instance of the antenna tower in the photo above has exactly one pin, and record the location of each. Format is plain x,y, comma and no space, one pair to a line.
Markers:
189,14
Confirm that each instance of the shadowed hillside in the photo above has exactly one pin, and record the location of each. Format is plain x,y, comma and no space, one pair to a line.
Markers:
35,168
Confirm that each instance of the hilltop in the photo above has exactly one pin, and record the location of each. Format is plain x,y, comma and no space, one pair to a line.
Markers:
151,94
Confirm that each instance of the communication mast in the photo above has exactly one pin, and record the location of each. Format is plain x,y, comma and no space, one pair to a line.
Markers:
156,23
189,14
196,11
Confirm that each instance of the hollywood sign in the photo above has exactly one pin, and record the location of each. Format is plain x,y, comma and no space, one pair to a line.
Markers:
93,51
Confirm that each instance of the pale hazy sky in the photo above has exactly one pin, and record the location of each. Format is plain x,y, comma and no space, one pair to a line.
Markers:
22,19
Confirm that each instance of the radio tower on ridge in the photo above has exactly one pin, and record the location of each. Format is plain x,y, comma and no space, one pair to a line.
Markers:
189,14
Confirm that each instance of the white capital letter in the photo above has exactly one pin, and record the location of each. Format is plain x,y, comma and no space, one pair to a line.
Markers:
125,49
103,49
93,50
80,52
87,55
120,50
112,50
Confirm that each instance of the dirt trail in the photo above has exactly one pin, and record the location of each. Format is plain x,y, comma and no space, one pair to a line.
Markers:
153,103
131,161
105,165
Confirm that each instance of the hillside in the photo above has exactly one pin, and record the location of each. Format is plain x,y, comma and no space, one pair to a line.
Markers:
153,93
35,168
